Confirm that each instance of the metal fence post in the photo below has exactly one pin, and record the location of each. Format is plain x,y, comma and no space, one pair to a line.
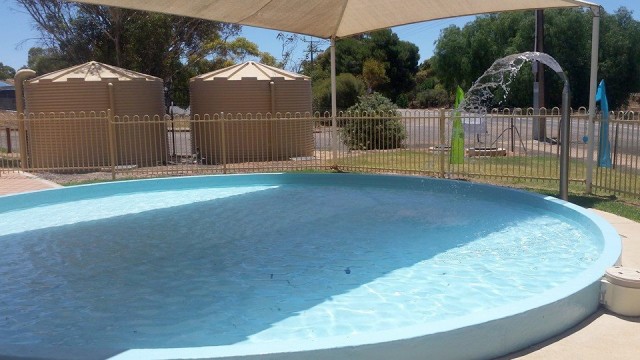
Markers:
112,132
8,133
442,142
112,141
22,133
223,144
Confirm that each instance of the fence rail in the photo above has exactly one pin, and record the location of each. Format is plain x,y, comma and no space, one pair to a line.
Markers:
520,145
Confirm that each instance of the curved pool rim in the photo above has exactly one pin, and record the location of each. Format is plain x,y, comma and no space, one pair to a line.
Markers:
496,332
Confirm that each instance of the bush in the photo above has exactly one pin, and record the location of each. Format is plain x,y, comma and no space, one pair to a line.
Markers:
376,125
348,88
402,101
433,98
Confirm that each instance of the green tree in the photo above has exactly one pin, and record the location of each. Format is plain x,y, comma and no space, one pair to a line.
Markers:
6,72
401,62
428,93
568,40
348,89
620,56
373,74
399,58
472,49
46,60
451,60
461,55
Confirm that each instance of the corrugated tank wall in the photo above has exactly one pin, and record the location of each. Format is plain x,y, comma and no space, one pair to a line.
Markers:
141,132
293,96
250,134
68,127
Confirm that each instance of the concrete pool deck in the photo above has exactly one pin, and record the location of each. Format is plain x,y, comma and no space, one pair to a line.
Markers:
17,182
603,335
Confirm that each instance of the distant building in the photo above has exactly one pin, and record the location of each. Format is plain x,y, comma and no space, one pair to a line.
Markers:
7,96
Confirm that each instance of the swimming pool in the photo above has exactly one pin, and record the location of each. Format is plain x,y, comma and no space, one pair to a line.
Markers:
340,265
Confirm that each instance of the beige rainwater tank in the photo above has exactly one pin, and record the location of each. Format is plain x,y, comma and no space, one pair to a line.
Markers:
67,130
266,111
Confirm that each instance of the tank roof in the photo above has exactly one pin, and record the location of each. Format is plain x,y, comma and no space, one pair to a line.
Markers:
251,70
93,71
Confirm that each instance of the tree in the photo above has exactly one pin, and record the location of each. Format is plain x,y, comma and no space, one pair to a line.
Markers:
289,42
46,60
6,72
449,59
401,62
428,92
620,59
373,74
348,89
463,54
167,46
399,58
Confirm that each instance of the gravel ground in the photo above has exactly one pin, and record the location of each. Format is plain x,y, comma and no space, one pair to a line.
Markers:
70,179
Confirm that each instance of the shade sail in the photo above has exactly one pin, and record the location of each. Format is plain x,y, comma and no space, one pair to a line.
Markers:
327,18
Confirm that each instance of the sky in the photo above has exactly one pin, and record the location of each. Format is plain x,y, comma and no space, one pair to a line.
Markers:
18,34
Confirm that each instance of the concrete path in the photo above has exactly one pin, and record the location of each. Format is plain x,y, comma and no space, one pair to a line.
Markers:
602,336
17,182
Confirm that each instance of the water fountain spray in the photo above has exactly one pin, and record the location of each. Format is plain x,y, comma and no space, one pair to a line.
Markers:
499,75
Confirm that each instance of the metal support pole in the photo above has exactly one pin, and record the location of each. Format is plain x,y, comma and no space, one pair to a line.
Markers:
564,138
20,77
593,83
539,123
334,106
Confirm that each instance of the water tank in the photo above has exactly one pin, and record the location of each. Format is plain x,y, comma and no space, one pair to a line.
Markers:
67,126
266,114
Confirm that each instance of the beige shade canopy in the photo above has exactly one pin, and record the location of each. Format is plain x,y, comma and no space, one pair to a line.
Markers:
327,18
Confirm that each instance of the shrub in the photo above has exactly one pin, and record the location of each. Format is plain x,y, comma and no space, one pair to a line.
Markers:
348,88
375,125
433,98
402,101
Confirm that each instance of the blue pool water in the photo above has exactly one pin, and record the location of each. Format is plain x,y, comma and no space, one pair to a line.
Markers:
257,259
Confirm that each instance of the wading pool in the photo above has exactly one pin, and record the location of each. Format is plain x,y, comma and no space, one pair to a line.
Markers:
293,266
